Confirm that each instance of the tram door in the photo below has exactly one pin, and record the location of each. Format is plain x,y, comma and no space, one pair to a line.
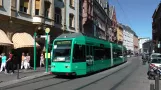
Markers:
89,58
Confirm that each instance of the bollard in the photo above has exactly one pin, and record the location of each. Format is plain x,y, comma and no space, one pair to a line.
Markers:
157,82
151,86
17,71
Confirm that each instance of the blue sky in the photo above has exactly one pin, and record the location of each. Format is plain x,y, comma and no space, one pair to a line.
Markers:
138,14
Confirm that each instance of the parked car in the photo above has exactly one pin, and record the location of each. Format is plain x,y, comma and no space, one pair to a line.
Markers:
155,55
154,67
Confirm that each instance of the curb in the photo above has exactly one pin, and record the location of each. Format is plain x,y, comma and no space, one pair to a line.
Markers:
5,84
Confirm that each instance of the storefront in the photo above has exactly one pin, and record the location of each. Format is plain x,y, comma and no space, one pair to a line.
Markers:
24,43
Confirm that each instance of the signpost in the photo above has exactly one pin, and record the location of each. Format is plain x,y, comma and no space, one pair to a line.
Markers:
47,30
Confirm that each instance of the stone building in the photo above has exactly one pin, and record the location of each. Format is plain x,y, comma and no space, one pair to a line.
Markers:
94,18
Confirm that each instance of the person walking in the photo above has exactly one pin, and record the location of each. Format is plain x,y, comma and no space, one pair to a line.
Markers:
41,59
3,64
10,63
28,61
22,60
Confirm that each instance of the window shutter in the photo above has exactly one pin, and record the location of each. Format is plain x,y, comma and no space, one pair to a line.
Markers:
37,5
1,2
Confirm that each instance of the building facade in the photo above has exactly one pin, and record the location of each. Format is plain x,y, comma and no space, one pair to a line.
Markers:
128,38
141,41
94,18
113,28
20,19
72,15
120,34
156,29
136,44
148,47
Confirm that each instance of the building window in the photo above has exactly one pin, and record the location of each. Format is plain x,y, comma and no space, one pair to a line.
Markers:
46,13
13,4
47,7
37,7
71,20
72,3
58,16
24,6
1,2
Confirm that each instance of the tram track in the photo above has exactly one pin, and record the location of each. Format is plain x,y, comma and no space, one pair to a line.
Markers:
84,85
61,80
100,79
125,78
117,84
25,83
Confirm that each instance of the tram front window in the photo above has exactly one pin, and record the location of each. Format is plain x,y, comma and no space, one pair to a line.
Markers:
62,54
62,51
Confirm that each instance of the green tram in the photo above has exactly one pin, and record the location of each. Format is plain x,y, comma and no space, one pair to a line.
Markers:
78,54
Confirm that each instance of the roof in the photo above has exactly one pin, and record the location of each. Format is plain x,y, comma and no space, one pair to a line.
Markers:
75,35
70,35
156,10
127,28
155,54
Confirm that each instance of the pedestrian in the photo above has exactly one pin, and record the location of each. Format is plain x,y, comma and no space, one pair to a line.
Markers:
28,60
22,60
3,64
10,63
41,59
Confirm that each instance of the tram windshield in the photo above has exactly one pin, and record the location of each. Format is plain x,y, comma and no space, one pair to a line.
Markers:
62,51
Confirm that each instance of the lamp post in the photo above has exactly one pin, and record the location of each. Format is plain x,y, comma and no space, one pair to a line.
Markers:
35,50
47,30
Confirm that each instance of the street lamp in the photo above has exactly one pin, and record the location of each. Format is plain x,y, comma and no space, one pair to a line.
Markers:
47,30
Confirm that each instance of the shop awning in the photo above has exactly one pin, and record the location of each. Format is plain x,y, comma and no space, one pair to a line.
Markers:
21,40
4,40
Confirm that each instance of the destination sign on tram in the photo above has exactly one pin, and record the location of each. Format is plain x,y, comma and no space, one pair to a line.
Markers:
63,42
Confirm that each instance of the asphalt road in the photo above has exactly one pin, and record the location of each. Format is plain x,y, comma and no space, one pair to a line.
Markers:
128,76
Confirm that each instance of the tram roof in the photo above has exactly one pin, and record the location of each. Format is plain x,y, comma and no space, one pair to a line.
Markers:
70,35
78,35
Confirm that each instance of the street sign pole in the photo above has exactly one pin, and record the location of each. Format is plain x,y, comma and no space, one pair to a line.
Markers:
35,51
47,30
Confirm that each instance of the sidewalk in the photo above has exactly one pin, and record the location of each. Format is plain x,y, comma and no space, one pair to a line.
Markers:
8,79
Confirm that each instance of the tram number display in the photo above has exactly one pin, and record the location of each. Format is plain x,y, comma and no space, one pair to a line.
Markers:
63,42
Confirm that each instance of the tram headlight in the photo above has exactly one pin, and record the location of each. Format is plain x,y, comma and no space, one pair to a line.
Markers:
66,66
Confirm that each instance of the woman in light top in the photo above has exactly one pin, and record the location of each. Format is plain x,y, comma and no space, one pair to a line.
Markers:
22,60
28,61
4,60
41,59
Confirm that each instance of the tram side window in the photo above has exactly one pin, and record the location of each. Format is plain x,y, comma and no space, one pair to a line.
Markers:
99,53
107,53
115,53
119,53
79,53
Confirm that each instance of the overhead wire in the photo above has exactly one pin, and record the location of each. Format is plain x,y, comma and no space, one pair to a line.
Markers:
124,13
